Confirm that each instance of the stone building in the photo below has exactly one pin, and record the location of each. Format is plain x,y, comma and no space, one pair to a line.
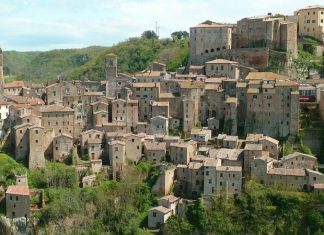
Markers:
37,147
155,151
298,160
209,37
62,145
157,216
164,182
14,88
311,21
272,104
222,68
21,141
92,143
267,31
58,118
159,125
160,109
200,135
228,180
133,146
145,93
116,151
181,153
17,201
230,119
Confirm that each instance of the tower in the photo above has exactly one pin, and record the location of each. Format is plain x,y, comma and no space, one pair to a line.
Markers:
111,66
1,74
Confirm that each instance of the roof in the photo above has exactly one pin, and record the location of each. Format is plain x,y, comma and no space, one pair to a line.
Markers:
93,93
287,171
170,198
297,154
18,190
166,95
270,139
88,178
221,61
191,85
152,145
311,7
145,84
256,147
14,84
318,186
210,24
230,154
161,209
230,138
4,102
253,91
229,168
195,165
265,76
116,142
149,74
253,137
63,135
156,103
196,67
197,131
231,100
56,108
241,84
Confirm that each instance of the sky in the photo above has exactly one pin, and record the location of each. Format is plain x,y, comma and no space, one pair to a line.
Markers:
29,25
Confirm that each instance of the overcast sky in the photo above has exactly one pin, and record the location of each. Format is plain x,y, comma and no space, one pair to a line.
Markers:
27,25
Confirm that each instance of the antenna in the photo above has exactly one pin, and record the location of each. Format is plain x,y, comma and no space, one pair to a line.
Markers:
158,31
156,27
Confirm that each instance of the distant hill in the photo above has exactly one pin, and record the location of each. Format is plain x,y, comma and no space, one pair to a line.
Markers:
134,55
43,66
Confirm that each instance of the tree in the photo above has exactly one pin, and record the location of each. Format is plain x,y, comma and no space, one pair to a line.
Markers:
196,214
149,34
180,35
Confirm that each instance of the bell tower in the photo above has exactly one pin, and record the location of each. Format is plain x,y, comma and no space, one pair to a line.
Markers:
111,66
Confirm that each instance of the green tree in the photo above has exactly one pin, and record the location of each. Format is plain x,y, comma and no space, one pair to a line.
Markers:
196,214
149,34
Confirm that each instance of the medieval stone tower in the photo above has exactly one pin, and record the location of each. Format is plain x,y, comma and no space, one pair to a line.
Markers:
111,66
1,73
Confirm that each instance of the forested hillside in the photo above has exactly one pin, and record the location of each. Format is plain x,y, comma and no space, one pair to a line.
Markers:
134,55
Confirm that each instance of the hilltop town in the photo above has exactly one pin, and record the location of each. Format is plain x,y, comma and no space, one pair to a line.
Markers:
234,115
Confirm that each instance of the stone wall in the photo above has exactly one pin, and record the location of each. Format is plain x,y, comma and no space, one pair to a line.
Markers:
252,57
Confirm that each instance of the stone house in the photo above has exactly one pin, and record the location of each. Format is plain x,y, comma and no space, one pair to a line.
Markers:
231,115
14,88
158,216
155,151
271,145
251,151
58,118
298,160
213,124
181,153
160,109
164,183
88,181
21,141
222,68
200,135
229,157
62,145
92,143
169,201
133,147
227,141
228,180
17,201
37,147
145,93
311,21
159,125
116,151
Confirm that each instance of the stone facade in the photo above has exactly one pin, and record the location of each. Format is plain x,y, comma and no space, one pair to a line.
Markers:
17,201
62,145
311,21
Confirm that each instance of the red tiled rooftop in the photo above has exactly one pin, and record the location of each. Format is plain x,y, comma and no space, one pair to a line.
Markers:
18,190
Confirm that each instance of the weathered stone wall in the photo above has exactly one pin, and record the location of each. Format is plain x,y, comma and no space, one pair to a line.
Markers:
252,57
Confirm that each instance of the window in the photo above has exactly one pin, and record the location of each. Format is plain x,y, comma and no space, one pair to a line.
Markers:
116,148
36,141
197,182
20,131
36,131
232,184
207,172
17,198
314,178
313,21
221,183
221,174
11,198
154,214
209,181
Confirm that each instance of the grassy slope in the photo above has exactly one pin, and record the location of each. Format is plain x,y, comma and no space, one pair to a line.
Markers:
134,55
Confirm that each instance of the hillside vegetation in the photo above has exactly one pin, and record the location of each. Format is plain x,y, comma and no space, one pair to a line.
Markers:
134,55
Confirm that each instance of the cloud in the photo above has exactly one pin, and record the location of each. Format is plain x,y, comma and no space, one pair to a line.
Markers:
35,24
